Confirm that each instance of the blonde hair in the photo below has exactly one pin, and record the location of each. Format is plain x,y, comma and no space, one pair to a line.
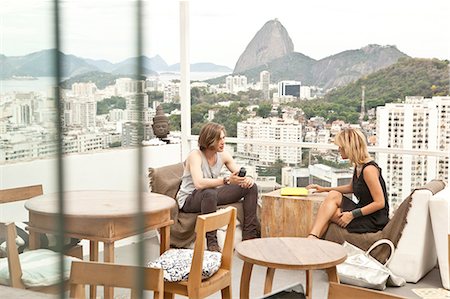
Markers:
209,134
353,143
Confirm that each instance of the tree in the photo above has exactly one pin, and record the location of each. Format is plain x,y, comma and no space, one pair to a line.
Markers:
264,109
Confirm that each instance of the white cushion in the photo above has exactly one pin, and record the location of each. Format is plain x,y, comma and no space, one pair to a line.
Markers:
176,264
39,268
439,211
415,254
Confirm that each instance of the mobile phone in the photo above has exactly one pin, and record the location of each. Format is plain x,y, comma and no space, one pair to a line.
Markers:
242,172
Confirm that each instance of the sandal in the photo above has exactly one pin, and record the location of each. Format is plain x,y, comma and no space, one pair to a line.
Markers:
315,236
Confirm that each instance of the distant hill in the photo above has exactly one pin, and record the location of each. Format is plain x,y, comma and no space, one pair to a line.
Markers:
345,67
101,79
272,49
330,72
40,64
407,77
202,67
272,41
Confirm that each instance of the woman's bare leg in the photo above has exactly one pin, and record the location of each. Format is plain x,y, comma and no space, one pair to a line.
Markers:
328,211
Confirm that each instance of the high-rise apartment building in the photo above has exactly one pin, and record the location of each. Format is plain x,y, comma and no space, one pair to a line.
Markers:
278,132
234,84
264,79
289,88
80,111
84,89
418,124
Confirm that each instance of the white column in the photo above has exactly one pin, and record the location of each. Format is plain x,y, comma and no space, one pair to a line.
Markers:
185,88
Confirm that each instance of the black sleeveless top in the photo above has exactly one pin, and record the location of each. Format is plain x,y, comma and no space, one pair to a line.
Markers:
372,222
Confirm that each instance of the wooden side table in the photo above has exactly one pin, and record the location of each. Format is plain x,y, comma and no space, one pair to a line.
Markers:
290,254
288,216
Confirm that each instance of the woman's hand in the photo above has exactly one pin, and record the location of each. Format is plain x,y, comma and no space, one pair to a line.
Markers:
318,188
344,219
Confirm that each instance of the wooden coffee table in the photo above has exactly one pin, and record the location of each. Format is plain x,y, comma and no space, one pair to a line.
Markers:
288,216
291,254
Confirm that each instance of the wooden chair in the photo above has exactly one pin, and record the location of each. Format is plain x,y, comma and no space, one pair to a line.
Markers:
27,192
338,291
194,287
16,275
114,275
21,193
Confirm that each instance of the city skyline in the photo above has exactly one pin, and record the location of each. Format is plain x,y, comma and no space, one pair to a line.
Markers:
220,30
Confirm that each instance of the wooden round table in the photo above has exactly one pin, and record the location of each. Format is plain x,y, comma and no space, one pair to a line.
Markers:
291,254
100,216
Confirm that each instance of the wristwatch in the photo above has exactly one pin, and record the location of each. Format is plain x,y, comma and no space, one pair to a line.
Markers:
226,180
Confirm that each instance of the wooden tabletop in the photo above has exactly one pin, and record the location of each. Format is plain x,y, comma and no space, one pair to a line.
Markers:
311,195
291,253
100,204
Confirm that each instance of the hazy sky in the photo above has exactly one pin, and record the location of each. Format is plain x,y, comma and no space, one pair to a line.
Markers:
220,30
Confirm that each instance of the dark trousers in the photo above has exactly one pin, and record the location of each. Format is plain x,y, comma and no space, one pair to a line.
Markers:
206,201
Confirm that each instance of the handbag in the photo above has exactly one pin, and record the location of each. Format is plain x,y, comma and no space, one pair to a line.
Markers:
361,269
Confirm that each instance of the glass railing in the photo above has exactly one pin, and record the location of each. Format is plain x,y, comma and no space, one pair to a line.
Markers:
300,163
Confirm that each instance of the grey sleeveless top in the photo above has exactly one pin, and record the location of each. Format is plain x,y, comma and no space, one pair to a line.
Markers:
187,184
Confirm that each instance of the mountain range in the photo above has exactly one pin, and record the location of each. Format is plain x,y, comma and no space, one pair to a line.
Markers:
40,64
270,49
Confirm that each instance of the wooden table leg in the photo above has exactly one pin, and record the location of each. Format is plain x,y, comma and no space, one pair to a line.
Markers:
332,274
245,280
269,280
108,257
93,257
34,240
165,239
308,291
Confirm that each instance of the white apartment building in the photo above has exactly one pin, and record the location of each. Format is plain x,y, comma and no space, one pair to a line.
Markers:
136,104
22,113
294,177
305,93
234,84
420,124
171,92
264,79
289,88
84,89
328,176
126,86
116,115
276,130
80,111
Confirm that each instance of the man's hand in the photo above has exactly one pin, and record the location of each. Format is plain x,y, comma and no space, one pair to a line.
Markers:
248,183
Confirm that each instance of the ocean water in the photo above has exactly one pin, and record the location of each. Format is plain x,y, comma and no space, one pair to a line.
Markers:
44,84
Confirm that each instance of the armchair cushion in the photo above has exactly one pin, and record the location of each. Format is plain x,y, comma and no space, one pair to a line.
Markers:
176,264
39,268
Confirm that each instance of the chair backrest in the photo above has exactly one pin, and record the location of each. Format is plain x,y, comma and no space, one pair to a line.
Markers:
166,180
114,275
8,232
338,291
206,223
21,193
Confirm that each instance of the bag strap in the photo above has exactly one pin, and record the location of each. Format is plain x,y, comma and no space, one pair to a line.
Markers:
379,242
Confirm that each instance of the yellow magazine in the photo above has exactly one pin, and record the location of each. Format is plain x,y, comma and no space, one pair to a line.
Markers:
295,191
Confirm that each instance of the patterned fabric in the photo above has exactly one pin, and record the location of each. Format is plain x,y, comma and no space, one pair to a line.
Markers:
39,268
176,264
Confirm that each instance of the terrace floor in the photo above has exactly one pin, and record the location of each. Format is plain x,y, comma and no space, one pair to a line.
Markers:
283,278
